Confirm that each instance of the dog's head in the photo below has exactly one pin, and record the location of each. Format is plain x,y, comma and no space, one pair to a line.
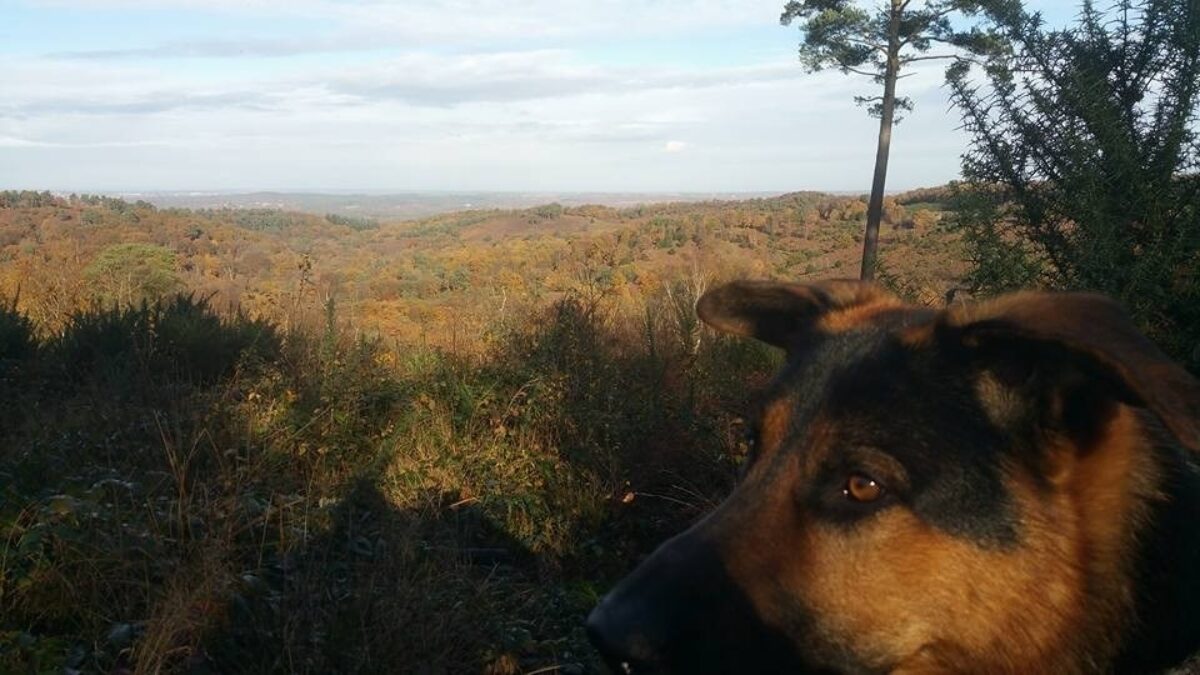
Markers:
954,489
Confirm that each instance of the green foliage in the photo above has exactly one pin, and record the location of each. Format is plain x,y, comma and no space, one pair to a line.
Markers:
14,199
841,34
106,203
999,262
935,197
128,274
200,346
1083,161
844,35
547,211
259,220
353,222
102,341
339,400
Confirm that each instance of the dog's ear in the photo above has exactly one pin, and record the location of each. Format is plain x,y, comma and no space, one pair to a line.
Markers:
776,312
1086,349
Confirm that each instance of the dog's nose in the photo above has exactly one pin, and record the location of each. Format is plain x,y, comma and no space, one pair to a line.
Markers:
660,617
625,650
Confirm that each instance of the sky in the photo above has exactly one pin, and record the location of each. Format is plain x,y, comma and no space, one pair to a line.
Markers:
447,95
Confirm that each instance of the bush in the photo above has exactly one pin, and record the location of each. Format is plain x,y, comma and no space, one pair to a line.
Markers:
1084,159
180,341
133,273
17,341
202,347
353,222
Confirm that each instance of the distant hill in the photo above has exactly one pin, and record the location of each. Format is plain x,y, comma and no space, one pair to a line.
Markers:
408,205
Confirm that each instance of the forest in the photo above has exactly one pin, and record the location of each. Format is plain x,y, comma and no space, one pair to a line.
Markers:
414,281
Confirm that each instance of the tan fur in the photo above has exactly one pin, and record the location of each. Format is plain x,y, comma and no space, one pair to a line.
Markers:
738,307
1096,328
856,316
1003,406
776,420
919,336
850,292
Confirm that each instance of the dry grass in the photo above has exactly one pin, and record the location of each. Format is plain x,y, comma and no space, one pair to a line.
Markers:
222,498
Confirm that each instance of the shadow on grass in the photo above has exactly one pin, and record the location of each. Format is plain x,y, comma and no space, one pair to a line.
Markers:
386,590
182,492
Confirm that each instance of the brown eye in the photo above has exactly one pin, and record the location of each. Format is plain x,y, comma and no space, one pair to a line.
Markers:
862,488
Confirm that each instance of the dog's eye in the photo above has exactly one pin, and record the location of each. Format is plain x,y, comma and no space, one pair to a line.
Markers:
862,488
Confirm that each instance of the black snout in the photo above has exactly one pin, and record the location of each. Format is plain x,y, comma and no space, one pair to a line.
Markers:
616,638
639,626
680,612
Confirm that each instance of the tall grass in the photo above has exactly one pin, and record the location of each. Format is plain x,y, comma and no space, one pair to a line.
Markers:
187,492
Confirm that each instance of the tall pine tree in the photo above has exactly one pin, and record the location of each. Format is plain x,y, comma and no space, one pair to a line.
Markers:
880,44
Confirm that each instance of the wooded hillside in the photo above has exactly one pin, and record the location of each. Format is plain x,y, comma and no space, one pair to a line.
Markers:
417,280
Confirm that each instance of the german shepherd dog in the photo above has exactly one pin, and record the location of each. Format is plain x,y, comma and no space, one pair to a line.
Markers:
1009,487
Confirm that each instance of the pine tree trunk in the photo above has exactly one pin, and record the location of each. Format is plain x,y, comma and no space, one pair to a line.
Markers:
887,115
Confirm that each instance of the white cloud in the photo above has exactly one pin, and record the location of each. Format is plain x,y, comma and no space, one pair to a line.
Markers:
14,142
46,87
771,134
539,116
469,21
428,79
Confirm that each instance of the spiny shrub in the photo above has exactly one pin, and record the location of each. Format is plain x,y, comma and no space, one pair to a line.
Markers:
180,340
18,346
100,344
17,340
204,347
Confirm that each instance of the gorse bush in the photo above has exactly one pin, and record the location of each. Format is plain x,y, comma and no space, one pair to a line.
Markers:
179,340
17,341
18,347
98,453
1084,160
102,344
202,346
